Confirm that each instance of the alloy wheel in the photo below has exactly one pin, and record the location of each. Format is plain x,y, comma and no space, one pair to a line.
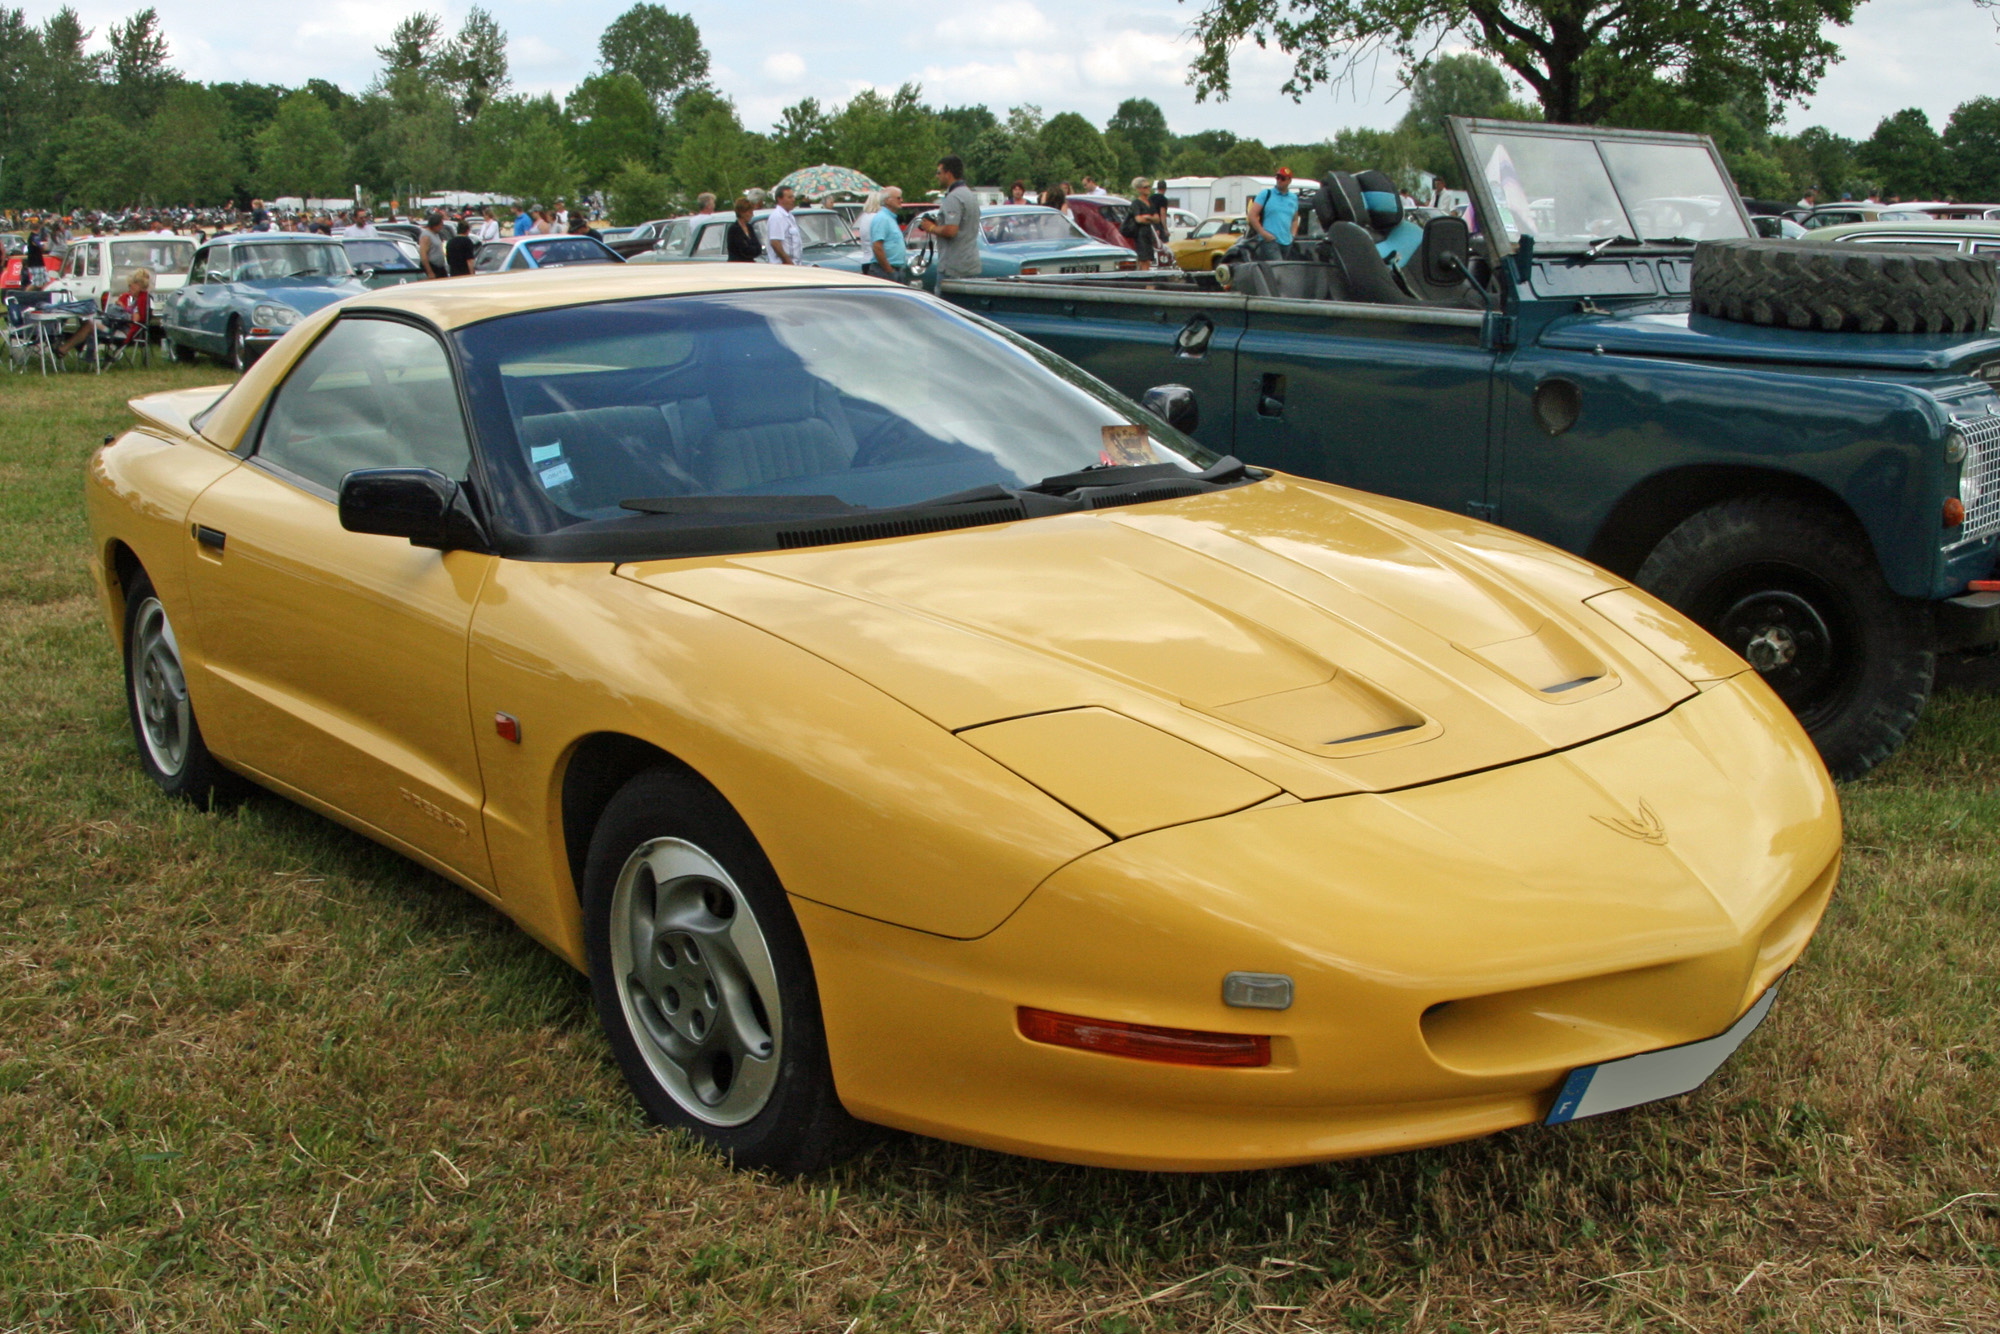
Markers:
159,689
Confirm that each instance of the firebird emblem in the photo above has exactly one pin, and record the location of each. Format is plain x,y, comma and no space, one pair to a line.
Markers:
1648,828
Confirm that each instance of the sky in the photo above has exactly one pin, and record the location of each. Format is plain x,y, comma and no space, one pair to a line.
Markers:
1931,54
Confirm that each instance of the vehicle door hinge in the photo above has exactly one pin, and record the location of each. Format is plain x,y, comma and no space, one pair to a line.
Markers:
1479,509
1499,329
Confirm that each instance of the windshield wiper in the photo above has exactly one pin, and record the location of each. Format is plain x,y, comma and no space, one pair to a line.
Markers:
737,505
1225,469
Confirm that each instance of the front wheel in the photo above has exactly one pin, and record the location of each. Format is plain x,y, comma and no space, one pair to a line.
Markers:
171,749
239,351
702,981
1795,589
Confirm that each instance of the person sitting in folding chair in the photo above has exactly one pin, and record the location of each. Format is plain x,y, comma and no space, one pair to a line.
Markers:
124,322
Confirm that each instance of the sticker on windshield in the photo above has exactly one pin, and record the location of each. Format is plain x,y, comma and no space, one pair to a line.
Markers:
556,476
543,453
1127,445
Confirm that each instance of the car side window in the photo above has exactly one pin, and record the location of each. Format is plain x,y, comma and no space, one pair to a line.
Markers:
709,241
675,240
198,270
372,393
90,261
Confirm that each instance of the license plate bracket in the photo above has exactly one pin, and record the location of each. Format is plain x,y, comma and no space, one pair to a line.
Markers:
1612,1086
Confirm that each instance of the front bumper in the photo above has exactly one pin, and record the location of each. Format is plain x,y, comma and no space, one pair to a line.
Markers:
1457,950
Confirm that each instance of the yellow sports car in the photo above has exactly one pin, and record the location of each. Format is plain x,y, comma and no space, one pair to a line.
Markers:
900,727
1213,236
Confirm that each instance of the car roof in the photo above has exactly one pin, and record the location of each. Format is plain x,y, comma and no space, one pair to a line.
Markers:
1966,227
261,238
464,301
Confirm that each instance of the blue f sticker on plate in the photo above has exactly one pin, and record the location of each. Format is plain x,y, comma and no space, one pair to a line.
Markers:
1613,1086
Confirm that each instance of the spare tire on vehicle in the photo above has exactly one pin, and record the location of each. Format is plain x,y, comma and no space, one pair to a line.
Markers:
1836,287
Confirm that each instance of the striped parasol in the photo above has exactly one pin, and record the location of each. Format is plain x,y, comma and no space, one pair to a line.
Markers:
825,181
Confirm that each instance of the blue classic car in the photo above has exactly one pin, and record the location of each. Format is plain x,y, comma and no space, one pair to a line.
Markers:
244,291
542,251
1028,239
702,238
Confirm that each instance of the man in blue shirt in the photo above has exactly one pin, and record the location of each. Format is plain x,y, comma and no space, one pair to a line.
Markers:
885,239
1271,215
522,222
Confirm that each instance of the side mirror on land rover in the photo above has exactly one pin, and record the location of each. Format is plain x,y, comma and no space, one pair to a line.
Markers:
1176,403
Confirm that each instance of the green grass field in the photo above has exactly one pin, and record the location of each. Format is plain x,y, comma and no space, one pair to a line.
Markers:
256,1073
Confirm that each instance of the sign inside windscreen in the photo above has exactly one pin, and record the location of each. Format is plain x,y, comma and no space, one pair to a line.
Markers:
1126,445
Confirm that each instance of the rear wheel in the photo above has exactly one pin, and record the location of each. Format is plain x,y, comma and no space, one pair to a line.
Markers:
702,980
1795,589
168,736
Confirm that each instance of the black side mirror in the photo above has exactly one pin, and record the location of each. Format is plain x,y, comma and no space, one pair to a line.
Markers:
421,504
1176,403
1446,253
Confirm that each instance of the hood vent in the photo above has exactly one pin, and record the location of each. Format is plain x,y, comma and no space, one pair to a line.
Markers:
1140,495
874,530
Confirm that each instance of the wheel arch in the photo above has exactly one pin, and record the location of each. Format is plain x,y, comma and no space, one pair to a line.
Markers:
1644,515
597,766
123,565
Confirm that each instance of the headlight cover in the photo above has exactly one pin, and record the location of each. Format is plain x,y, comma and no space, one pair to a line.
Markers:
274,317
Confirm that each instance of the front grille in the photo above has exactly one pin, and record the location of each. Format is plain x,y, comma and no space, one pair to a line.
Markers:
1982,464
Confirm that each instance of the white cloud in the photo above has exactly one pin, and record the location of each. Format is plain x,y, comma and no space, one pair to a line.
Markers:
784,67
1015,23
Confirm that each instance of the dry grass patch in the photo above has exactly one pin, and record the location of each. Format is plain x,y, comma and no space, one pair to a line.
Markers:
257,1073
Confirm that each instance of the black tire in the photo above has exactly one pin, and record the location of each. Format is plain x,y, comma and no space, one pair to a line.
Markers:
657,1024
239,353
1794,588
164,728
1836,286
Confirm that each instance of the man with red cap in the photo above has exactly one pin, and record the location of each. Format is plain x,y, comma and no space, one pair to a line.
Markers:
1271,215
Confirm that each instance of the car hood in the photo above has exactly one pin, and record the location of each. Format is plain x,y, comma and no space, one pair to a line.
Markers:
1670,332
1326,641
306,295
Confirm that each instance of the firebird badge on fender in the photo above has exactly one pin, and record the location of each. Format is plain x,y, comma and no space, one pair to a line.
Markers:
1648,828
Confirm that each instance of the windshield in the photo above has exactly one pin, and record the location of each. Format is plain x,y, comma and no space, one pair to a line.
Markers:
1005,228
263,263
1571,192
380,255
876,398
161,256
825,229
560,250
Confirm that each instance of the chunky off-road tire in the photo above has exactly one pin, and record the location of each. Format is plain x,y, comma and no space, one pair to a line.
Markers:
1794,588
702,980
1836,286
164,728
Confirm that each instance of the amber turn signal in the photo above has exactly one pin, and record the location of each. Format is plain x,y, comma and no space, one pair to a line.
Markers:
1143,1042
1954,513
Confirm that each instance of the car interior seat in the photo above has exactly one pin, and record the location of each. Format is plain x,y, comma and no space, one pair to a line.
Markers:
1441,271
1397,237
592,458
1308,280
1368,277
772,421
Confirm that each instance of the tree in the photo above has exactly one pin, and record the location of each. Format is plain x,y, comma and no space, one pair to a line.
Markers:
659,48
300,151
412,47
1141,128
1972,149
188,154
612,123
894,140
639,194
541,168
961,127
714,152
97,162
1580,57
1071,149
474,65
1905,156
1247,157
140,74
803,136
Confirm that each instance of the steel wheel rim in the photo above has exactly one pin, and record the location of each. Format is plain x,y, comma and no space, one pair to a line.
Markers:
1794,629
696,982
159,689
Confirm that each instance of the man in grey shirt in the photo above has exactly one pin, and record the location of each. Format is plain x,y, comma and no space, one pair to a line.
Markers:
956,226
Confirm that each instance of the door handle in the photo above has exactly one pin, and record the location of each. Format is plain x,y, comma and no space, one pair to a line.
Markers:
212,538
1271,396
